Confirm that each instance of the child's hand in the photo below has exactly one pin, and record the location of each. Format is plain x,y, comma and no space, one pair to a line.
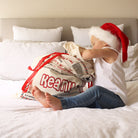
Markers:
81,49
86,54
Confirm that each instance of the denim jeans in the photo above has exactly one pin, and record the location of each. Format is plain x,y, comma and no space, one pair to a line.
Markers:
94,97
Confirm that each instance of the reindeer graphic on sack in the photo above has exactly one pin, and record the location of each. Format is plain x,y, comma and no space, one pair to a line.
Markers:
60,73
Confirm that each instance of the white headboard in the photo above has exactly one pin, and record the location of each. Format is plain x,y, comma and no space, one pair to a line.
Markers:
131,25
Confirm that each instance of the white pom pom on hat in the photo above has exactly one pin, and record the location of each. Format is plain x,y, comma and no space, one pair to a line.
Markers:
113,36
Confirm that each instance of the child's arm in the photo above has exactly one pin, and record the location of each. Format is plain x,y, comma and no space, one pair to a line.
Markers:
108,55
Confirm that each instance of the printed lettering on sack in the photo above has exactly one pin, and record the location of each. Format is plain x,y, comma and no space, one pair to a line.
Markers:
58,84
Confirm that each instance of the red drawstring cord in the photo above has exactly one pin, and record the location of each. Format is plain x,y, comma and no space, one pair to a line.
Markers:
40,64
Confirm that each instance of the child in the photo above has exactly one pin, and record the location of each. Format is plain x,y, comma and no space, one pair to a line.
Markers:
109,90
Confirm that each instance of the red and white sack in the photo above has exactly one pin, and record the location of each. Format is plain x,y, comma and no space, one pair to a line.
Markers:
59,74
75,50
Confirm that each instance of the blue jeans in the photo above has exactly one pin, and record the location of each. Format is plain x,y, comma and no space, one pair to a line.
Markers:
94,97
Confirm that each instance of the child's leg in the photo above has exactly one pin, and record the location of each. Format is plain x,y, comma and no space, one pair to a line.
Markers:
47,100
94,97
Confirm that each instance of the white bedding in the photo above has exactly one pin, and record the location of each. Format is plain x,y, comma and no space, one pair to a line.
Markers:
21,118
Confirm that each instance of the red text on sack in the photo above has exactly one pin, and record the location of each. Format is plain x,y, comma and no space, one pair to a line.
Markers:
58,84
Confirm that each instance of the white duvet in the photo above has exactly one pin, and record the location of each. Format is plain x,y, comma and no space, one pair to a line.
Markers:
21,118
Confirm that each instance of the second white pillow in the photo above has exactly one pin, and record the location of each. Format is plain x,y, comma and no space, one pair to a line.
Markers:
81,35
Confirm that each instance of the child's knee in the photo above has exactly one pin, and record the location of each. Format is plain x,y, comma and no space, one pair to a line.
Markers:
96,88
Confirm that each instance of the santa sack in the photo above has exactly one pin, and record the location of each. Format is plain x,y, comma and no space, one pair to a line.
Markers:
59,73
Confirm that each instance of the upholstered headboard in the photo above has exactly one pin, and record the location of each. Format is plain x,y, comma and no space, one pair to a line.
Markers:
131,25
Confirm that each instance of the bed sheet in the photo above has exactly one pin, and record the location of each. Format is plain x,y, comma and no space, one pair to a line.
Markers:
20,118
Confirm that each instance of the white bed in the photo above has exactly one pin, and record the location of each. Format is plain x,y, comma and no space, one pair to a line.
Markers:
21,118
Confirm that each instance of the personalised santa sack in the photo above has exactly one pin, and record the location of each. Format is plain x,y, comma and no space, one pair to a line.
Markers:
58,74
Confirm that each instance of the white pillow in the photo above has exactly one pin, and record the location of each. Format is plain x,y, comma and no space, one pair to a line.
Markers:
27,34
81,36
131,65
15,57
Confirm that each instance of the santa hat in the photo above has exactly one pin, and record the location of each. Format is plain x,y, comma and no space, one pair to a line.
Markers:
113,36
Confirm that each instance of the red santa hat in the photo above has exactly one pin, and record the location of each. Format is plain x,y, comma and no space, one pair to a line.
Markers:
113,36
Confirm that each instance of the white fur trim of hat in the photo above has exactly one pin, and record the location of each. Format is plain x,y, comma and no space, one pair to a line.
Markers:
105,36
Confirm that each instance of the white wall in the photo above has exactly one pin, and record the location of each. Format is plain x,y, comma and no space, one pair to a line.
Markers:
68,8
